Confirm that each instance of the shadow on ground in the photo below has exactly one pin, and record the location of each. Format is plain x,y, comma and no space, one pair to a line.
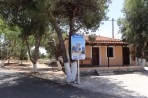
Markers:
145,72
26,67
108,86
22,86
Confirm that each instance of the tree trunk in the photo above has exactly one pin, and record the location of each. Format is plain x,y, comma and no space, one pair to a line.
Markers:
68,72
61,41
56,52
74,70
59,65
35,57
8,60
21,61
72,62
144,46
136,60
143,62
35,68
2,63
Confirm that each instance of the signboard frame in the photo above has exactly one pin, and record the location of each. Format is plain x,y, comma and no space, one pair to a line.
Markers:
77,47
78,50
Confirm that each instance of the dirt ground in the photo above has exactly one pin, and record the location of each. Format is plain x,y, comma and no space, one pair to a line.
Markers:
14,84
44,71
129,85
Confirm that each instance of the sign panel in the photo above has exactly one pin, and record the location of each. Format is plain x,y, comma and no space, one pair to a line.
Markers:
77,47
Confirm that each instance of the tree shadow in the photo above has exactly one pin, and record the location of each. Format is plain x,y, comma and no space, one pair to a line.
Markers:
144,72
108,86
22,86
16,64
140,72
26,67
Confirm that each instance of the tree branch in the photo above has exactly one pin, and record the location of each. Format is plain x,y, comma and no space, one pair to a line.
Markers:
78,28
59,33
28,48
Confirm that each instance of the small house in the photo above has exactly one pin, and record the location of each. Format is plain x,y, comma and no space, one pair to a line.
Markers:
106,52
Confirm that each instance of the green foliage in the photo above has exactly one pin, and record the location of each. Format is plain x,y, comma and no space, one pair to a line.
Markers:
52,45
33,53
10,42
84,13
134,26
92,37
33,17
42,56
23,52
2,26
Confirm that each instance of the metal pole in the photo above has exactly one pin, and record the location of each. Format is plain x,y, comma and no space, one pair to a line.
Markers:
78,72
108,55
108,61
113,27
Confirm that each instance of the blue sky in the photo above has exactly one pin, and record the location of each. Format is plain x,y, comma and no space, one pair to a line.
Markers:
114,12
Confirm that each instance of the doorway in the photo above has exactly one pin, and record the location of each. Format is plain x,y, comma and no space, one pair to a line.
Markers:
95,56
126,58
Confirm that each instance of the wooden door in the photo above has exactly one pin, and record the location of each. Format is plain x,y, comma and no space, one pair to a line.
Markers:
126,58
95,56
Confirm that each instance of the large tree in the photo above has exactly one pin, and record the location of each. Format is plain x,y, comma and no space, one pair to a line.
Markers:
32,20
134,24
9,43
72,15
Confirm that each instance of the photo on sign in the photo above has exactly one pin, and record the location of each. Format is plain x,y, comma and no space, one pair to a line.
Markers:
78,48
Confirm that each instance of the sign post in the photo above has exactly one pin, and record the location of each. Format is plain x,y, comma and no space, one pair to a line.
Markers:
78,50
78,72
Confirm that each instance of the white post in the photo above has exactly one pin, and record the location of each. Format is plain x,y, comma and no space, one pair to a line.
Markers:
113,28
136,61
78,72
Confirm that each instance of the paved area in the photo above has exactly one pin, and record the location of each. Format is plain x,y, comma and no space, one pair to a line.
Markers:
14,85
17,85
129,85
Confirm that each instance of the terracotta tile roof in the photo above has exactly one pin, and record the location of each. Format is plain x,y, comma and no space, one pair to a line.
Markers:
105,41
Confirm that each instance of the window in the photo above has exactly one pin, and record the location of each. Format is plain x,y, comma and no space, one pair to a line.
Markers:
110,52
